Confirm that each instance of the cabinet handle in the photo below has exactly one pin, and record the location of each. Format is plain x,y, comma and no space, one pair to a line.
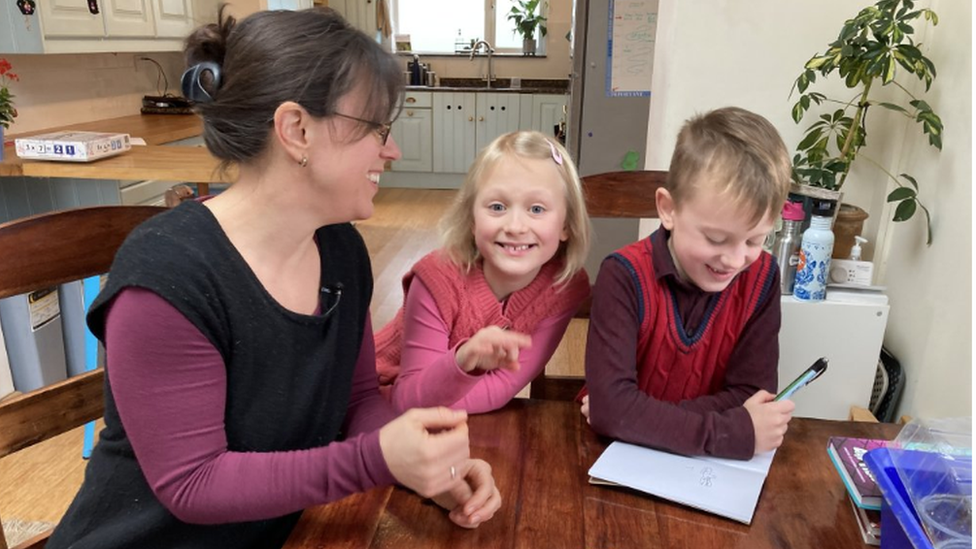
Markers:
410,100
409,113
470,119
481,119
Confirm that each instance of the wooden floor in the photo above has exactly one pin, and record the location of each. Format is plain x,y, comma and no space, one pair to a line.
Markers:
38,484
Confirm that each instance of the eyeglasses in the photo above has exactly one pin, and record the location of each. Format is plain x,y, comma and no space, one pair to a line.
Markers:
382,130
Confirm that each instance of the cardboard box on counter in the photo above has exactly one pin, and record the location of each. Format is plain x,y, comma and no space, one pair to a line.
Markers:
72,146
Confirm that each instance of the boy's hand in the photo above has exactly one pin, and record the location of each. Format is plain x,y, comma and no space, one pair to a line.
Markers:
492,348
476,499
585,408
769,419
424,446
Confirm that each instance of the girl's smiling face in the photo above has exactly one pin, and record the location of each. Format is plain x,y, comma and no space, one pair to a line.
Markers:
519,221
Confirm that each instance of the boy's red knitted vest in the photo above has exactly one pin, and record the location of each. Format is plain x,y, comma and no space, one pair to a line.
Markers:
467,304
671,365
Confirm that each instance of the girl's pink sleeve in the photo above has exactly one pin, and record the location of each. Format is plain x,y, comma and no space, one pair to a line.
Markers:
430,375
169,385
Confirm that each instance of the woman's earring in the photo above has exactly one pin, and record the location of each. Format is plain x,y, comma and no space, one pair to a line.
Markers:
304,161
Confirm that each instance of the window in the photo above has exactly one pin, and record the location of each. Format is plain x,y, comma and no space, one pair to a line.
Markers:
470,20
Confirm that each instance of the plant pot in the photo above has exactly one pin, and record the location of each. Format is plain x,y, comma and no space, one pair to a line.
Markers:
848,224
528,46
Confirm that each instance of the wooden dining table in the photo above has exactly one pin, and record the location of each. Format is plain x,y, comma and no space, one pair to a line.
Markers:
540,452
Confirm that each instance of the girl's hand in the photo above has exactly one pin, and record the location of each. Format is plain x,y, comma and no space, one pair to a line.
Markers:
492,348
585,408
770,419
424,446
476,499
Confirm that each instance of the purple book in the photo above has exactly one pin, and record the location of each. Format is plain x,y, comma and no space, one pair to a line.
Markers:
847,454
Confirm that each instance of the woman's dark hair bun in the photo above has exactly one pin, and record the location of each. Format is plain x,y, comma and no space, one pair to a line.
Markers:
209,42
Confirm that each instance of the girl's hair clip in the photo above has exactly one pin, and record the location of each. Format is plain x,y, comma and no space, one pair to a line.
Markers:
192,87
558,158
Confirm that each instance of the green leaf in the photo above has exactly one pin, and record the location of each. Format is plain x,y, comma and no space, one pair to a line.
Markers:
889,72
797,112
920,105
892,106
901,193
809,140
905,210
817,61
910,180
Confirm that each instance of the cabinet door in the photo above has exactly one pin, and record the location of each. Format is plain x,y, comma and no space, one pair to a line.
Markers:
70,18
412,133
360,13
497,113
547,112
174,18
129,19
454,131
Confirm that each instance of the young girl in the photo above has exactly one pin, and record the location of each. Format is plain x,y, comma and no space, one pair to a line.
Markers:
483,314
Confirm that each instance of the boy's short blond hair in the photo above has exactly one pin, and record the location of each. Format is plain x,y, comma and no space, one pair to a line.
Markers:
458,222
735,152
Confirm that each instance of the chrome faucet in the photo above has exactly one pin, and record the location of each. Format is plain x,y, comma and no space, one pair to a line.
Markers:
489,78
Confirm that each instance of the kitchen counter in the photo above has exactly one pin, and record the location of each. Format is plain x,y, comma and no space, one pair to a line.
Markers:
152,161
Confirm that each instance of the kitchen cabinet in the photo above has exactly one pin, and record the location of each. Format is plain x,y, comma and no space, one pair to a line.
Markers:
359,13
69,26
465,122
413,133
548,111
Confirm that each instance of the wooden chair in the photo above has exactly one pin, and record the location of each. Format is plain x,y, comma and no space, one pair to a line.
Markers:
40,252
623,195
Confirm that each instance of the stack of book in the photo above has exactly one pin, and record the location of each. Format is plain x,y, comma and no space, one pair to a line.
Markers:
847,455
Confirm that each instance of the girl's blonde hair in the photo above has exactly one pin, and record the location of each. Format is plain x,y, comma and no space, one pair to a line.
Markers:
458,222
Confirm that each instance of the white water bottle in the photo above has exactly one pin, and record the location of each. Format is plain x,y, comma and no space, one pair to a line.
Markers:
815,248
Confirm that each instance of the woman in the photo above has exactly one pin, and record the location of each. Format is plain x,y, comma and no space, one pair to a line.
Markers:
241,380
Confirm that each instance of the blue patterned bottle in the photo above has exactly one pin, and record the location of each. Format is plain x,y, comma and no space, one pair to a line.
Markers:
815,249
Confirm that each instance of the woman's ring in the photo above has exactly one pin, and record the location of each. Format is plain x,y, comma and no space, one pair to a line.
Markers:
453,472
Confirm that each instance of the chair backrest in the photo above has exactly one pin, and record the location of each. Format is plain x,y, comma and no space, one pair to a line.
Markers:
624,195
40,252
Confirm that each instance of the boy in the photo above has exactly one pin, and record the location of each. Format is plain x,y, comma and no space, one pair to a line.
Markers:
682,346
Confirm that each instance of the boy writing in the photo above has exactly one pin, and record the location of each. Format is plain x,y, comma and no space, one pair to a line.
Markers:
682,346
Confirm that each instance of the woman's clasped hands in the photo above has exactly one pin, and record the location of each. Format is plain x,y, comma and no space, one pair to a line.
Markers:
427,451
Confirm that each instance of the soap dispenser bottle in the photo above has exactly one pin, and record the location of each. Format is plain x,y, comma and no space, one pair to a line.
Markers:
853,270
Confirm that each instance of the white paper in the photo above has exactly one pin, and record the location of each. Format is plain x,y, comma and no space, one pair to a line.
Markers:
725,487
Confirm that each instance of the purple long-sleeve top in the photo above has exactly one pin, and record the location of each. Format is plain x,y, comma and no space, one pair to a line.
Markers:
169,385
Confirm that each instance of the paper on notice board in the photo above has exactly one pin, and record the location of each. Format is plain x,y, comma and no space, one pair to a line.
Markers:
725,487
633,28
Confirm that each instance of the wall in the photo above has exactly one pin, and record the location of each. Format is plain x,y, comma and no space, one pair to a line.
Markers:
930,327
712,54
55,90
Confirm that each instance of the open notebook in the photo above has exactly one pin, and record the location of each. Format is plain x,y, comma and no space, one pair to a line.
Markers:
725,487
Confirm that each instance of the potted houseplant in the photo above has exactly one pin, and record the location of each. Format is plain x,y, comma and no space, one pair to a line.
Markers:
7,110
874,50
526,21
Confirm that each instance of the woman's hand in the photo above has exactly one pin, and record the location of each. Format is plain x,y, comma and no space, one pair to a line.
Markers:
585,408
425,447
491,348
770,419
476,499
